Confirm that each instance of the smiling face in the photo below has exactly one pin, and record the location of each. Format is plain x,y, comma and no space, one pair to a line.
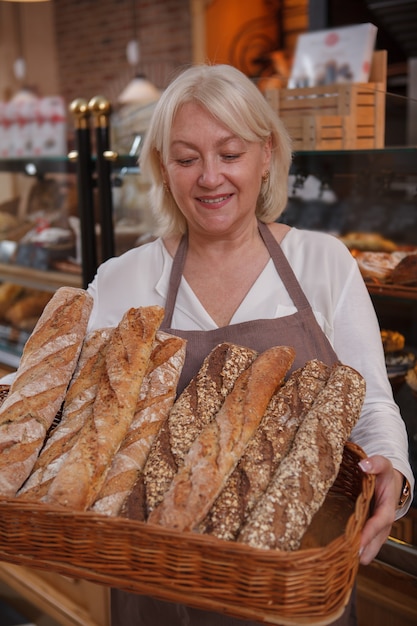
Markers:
214,176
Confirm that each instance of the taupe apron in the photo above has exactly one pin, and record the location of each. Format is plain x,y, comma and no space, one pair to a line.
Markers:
299,330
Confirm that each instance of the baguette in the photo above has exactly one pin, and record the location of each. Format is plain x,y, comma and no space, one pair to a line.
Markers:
76,410
265,450
300,485
156,398
48,361
214,454
80,478
195,407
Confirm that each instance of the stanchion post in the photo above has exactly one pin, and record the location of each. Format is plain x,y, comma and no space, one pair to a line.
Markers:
100,109
82,156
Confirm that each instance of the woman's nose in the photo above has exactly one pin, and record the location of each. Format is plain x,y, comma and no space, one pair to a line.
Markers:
210,174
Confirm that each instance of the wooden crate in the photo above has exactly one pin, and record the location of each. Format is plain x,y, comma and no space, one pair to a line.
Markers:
336,117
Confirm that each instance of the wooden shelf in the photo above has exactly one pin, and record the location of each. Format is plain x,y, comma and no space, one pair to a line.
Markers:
71,602
38,279
386,596
393,291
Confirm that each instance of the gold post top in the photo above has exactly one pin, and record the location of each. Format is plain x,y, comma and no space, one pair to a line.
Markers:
79,109
100,107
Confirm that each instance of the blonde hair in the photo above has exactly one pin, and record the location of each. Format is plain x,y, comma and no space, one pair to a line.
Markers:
233,99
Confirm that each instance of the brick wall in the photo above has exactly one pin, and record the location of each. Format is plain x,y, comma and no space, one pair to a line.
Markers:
92,35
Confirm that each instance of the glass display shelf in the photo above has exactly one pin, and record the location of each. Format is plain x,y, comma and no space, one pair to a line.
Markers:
37,166
401,159
46,280
399,292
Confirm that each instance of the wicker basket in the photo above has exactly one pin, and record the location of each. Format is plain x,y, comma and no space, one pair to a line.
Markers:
310,585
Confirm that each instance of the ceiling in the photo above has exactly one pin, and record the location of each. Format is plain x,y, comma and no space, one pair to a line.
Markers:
398,20
397,29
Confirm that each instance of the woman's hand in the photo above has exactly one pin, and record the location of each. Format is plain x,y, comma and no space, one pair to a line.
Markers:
388,483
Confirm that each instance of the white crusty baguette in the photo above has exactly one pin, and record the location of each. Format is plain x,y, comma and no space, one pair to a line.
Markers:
265,451
80,478
196,406
76,410
155,400
48,361
305,475
215,452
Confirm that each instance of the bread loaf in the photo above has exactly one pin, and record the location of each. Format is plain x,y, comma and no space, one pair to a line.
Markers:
405,273
196,407
265,450
303,478
38,390
26,310
77,409
215,452
9,292
155,400
80,478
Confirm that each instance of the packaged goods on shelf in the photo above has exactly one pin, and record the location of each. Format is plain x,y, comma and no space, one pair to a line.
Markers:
33,127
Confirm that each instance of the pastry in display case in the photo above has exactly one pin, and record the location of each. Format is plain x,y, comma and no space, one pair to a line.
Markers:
382,260
49,237
20,309
397,359
411,379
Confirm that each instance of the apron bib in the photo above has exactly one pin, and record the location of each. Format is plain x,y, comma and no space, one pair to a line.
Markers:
299,330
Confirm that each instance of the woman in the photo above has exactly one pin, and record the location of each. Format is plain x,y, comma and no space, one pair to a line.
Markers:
218,159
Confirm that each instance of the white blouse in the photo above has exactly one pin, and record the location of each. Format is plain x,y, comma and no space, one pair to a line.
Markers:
331,281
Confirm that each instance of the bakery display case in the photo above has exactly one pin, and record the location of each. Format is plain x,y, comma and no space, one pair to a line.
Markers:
61,216
368,198
38,246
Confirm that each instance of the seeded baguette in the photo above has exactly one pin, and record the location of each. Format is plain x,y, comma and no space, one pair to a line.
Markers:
155,400
80,478
300,485
196,406
265,451
215,452
47,364
77,409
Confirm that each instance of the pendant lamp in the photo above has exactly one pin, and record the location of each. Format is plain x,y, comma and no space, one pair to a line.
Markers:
139,90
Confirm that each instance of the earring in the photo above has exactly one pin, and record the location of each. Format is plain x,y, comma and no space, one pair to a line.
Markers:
265,176
166,187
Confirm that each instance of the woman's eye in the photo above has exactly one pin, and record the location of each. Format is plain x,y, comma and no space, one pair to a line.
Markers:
231,157
186,162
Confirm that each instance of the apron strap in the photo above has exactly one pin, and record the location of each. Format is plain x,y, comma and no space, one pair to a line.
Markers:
174,280
280,261
283,268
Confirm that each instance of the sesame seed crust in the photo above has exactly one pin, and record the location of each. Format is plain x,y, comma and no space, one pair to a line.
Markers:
196,407
265,451
302,480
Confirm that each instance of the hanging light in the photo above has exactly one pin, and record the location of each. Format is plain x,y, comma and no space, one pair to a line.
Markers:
139,90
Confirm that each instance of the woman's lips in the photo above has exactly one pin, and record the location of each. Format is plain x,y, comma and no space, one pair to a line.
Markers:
215,201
